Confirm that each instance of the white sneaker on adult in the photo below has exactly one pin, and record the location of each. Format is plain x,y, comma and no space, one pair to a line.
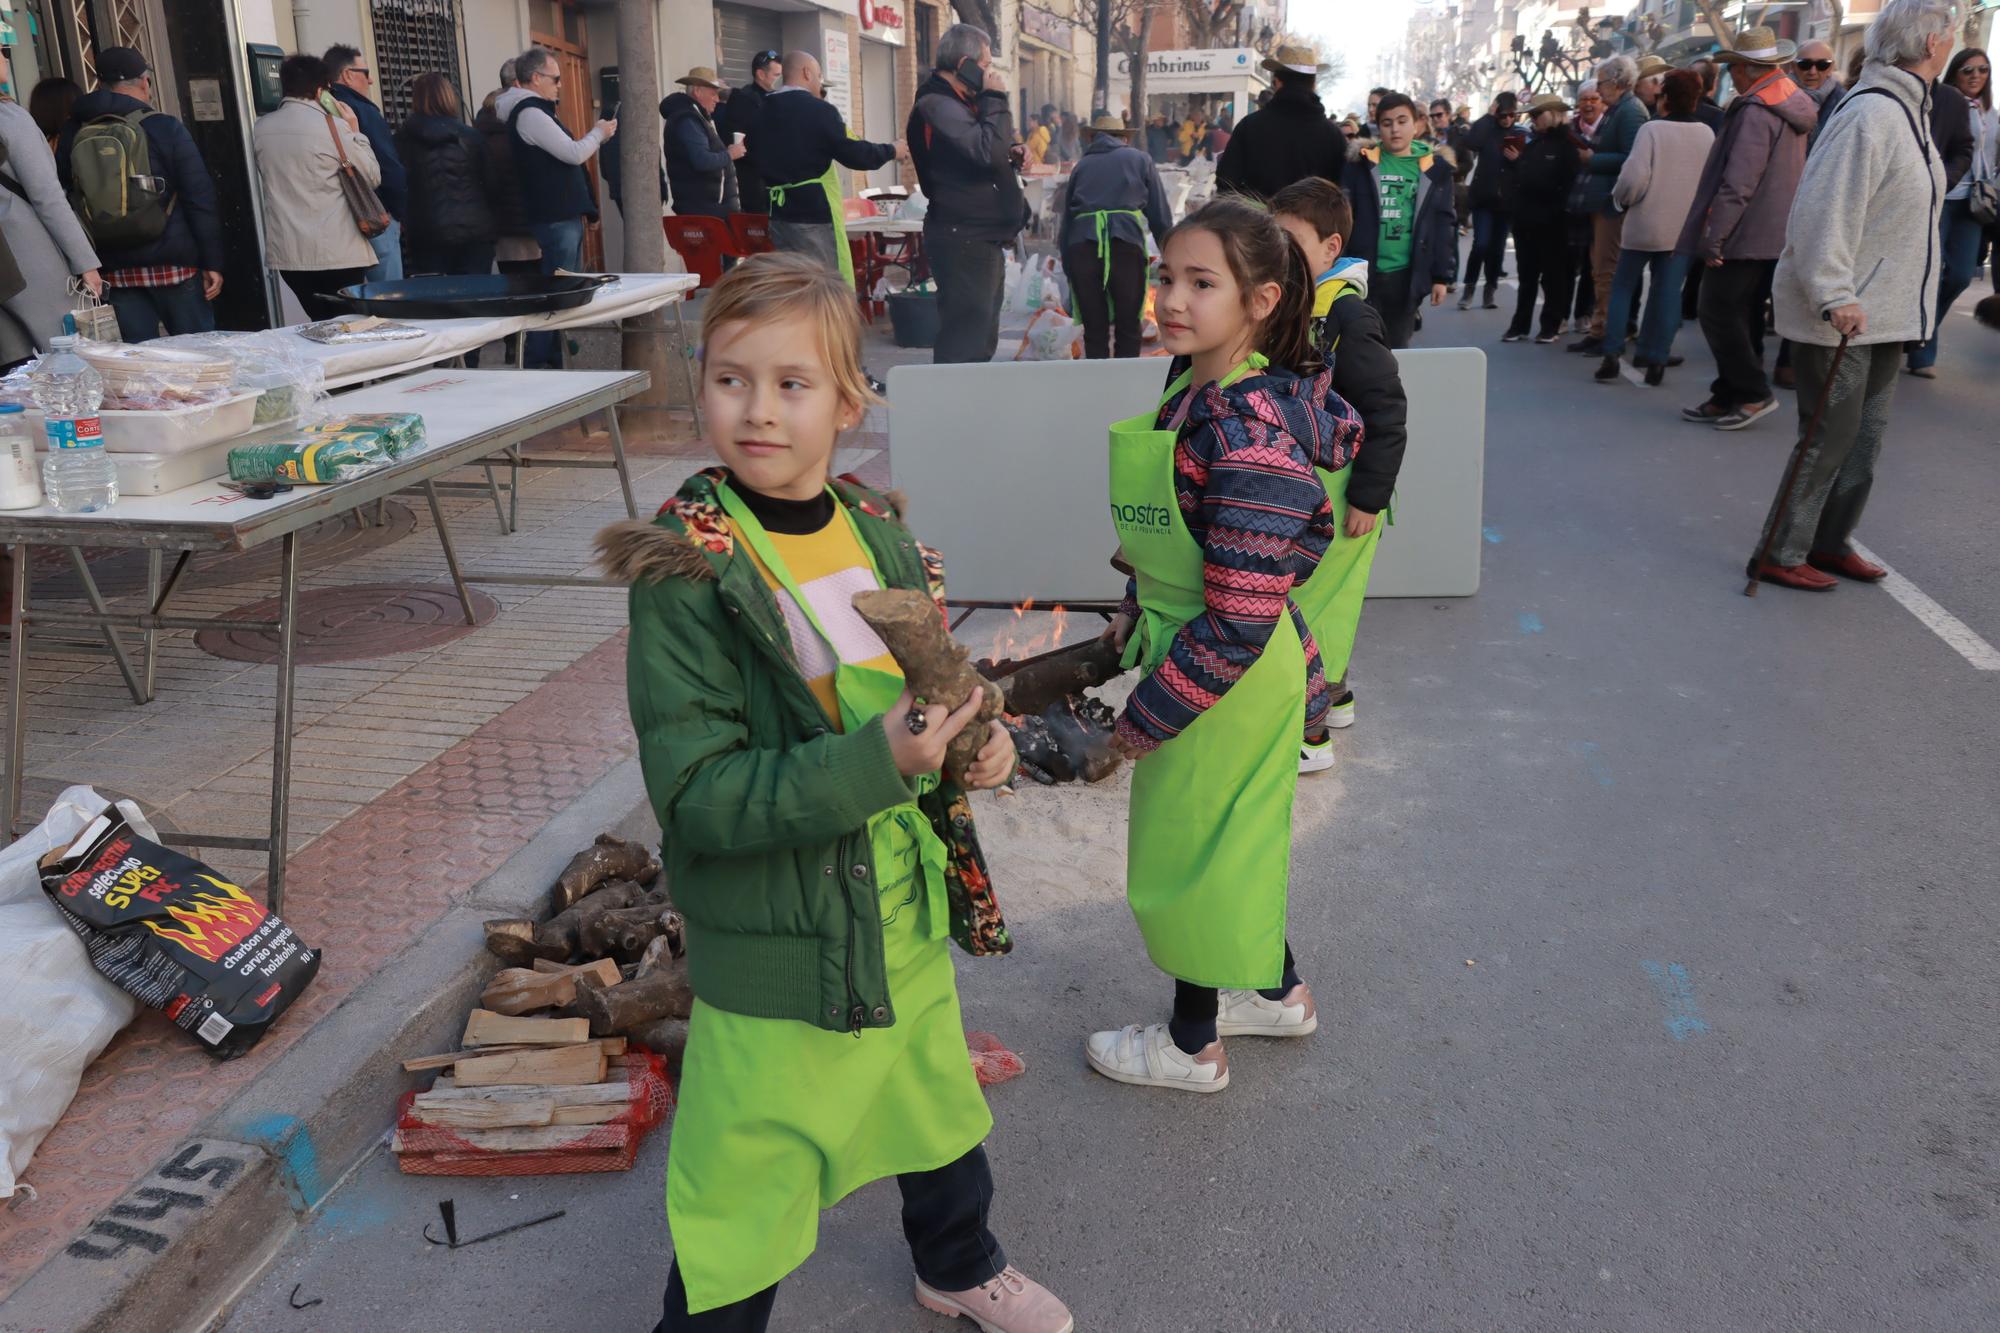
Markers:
1012,1302
1148,1057
1316,756
1245,1013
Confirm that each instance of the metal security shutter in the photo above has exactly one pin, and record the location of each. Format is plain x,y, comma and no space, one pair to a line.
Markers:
742,33
414,37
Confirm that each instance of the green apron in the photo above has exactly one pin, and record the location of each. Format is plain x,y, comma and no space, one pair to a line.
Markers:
779,1119
1330,599
1209,849
836,206
1102,219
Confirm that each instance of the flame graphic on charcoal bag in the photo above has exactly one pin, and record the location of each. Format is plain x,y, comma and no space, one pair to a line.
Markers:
213,923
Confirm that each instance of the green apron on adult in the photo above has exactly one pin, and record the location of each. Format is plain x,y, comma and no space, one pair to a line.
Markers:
1101,218
1330,599
835,205
779,1119
1209,850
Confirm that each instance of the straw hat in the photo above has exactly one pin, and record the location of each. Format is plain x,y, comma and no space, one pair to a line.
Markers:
1759,46
1108,124
1650,64
1292,60
701,76
1546,102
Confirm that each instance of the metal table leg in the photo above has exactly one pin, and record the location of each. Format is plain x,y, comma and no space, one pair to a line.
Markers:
450,554
17,689
500,510
281,741
152,636
111,640
687,366
624,471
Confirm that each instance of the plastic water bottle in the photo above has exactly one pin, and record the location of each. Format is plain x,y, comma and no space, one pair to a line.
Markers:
78,474
20,478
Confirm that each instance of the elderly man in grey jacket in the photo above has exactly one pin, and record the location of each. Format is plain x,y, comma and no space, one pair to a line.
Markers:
1851,289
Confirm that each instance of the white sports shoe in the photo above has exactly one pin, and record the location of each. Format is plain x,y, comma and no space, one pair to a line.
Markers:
1341,716
1316,758
1148,1057
1245,1013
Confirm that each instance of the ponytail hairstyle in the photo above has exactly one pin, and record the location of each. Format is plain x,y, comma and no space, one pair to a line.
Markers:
1260,250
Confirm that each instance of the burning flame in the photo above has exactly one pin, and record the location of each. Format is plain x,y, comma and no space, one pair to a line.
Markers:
1013,643
215,924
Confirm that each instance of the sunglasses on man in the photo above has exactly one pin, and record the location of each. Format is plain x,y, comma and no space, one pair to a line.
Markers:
1814,64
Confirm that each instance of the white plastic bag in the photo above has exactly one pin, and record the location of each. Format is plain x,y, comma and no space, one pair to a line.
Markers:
56,1011
1037,285
1052,336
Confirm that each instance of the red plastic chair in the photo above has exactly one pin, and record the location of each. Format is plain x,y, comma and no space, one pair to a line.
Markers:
751,231
702,243
856,209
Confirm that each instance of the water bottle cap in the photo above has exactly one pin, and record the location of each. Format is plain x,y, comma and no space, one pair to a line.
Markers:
5,408
61,341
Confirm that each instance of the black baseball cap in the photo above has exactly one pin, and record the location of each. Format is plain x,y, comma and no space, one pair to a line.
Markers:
763,58
121,64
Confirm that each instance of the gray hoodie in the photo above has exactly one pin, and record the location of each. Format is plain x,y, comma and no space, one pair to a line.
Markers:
1865,225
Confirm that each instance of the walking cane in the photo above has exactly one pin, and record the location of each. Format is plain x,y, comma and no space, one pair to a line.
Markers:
1777,519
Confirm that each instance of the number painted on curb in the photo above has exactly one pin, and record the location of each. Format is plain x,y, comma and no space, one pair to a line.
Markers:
114,1232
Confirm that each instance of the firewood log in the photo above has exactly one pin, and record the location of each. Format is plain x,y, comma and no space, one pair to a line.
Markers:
513,941
664,1036
517,990
625,932
934,664
1030,686
609,858
616,1010
564,930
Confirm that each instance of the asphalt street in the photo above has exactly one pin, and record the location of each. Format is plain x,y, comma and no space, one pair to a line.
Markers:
1652,929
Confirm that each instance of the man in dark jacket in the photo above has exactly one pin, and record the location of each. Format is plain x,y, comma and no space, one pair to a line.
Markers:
1544,171
1403,220
960,138
797,140
1602,161
1289,139
504,185
740,115
1488,194
701,169
1737,223
352,82
170,279
1114,196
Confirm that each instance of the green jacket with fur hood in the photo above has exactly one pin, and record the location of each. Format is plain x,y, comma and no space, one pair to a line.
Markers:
764,805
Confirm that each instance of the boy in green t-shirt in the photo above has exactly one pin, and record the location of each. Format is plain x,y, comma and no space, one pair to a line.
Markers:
1403,220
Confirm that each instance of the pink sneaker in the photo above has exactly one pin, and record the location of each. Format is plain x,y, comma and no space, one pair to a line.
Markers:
1010,1303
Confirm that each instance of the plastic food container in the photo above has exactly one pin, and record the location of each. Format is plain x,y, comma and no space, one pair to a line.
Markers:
177,431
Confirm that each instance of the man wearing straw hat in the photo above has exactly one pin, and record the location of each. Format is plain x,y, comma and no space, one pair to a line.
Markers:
1736,225
1286,140
1114,196
701,169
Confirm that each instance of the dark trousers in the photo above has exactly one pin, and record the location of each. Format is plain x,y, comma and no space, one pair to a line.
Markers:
141,311
419,260
944,1221
1838,470
315,288
1196,1007
1393,300
1489,244
1732,319
562,247
969,272
1115,323
1542,251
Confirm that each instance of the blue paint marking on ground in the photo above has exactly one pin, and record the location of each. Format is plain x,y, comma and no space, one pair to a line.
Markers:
1593,759
1530,622
288,1140
1676,992
1492,535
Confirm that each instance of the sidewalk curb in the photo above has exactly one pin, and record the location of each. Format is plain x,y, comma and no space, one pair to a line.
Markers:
186,1239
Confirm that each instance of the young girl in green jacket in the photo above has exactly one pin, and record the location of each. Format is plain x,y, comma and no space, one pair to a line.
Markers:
819,857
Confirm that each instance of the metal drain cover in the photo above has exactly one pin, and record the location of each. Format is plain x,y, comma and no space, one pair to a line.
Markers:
352,623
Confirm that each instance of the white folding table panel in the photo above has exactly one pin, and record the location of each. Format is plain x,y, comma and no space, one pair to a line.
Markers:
1004,466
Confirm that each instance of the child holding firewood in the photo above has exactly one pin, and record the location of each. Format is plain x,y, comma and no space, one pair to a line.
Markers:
818,855
1220,513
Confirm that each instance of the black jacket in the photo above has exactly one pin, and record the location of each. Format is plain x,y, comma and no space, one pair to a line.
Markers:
1365,373
796,139
1543,176
394,189
450,202
1434,236
1709,112
1490,187
1951,131
739,115
1289,140
193,238
502,182
699,169
960,152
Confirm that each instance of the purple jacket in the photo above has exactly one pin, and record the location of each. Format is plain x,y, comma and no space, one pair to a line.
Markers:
1745,196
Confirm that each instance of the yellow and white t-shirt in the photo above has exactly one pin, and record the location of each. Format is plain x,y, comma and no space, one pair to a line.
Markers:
829,567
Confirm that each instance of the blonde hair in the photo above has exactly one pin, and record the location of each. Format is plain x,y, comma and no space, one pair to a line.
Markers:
774,287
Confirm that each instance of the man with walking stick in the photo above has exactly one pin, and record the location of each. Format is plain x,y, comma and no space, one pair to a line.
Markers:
1856,282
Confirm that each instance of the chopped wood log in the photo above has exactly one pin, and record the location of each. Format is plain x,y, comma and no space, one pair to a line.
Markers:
526,1140
664,1037
660,953
543,1068
512,941
513,1114
560,935
486,1028
662,993
1034,683
934,664
607,859
589,1115
613,1047
587,1094
624,934
519,990
516,1107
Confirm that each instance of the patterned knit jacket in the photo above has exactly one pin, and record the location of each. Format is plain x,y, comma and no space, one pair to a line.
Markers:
1244,477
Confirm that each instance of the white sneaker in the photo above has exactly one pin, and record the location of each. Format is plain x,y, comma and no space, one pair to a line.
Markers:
1316,758
1341,716
1245,1013
1148,1057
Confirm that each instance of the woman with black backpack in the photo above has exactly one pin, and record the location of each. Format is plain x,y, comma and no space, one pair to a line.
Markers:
450,227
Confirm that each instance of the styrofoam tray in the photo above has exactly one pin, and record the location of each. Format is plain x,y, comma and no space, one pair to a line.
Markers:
182,430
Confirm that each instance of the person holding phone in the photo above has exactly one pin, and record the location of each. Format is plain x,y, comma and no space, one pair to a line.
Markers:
960,140
1490,137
